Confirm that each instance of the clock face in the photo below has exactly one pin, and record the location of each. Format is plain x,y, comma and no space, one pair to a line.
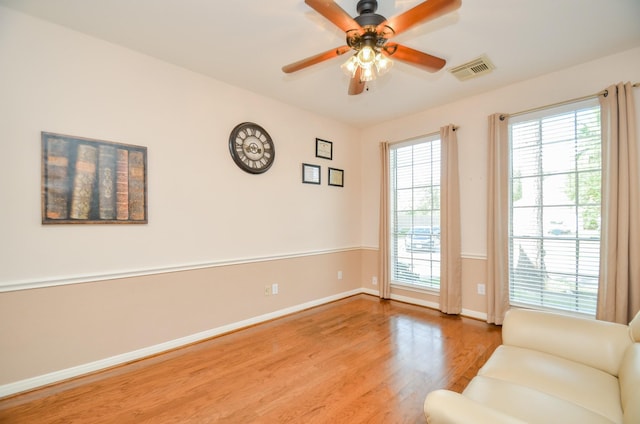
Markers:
251,148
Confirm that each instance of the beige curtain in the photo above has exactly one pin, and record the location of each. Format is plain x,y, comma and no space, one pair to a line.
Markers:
497,220
450,258
619,285
384,280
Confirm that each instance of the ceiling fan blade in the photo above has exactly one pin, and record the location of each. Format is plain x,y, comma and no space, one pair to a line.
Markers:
329,54
414,57
427,10
355,85
330,10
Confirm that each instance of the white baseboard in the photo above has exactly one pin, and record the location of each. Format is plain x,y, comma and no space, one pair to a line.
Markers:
414,301
65,374
432,305
371,292
482,316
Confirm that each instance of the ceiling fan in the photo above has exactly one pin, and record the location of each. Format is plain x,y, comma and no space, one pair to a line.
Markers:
368,35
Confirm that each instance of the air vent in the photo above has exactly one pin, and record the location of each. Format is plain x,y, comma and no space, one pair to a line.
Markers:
475,68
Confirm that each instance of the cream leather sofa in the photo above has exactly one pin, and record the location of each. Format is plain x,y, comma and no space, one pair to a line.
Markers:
551,368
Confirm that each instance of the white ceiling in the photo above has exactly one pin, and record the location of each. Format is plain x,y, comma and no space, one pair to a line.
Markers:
246,42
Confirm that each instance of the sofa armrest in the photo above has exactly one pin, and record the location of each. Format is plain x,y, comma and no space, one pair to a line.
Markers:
447,407
598,344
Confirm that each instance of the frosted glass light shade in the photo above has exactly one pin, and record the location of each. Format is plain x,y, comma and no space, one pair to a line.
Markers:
366,56
383,64
350,66
368,74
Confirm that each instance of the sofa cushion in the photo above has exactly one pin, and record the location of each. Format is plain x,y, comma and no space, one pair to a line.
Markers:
594,343
446,407
527,404
630,384
570,381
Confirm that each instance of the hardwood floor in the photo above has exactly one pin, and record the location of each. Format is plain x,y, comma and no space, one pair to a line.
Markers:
358,360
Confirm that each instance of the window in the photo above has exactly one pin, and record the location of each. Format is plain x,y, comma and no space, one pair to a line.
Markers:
414,171
554,228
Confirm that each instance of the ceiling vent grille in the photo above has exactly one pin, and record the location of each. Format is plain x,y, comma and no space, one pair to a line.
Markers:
475,68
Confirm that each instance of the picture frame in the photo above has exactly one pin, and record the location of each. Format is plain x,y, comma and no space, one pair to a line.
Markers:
88,181
311,173
324,149
336,177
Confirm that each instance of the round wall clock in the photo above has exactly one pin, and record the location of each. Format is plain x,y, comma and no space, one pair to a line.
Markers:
251,148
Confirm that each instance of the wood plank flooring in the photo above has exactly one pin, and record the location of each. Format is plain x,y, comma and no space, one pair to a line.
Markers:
357,360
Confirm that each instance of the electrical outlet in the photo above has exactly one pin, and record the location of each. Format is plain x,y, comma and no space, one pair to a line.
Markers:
481,289
274,289
267,290
339,275
374,281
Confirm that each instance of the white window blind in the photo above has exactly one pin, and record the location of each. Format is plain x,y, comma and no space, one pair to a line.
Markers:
554,231
415,212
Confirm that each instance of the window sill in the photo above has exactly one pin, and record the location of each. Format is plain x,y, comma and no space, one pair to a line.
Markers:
415,288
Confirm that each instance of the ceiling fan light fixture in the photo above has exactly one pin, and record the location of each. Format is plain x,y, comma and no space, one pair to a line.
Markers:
372,63
368,74
366,57
350,66
383,64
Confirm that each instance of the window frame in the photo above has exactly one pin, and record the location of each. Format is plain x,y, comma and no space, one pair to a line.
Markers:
398,239
546,234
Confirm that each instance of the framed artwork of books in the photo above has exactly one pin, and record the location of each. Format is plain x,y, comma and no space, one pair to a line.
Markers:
336,177
324,149
86,181
310,174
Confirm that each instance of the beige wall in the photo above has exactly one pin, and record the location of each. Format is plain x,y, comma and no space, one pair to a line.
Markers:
105,322
77,298
202,208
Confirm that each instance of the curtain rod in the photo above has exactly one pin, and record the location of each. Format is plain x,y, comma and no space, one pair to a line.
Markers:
566,102
433,134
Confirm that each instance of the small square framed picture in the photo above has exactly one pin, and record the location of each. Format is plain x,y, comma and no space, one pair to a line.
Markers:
324,149
336,177
310,173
